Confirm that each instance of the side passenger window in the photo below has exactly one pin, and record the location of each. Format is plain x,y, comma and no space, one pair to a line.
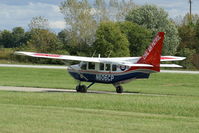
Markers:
91,65
102,66
114,67
108,67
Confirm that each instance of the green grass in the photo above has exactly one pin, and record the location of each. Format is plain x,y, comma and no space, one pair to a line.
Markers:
176,110
159,83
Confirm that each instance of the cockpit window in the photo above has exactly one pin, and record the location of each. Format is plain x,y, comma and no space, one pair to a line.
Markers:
91,65
84,66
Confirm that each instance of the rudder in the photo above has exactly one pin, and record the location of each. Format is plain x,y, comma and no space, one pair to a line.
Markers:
153,53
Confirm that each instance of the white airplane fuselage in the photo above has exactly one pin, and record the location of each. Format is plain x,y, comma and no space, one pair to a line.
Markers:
107,73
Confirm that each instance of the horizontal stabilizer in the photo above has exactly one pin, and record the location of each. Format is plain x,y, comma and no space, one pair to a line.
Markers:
171,58
169,65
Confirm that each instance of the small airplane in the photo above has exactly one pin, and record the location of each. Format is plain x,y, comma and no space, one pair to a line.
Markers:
114,70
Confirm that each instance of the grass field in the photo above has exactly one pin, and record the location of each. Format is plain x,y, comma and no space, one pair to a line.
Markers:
174,109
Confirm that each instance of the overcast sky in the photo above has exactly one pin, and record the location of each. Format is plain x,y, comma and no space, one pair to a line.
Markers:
15,13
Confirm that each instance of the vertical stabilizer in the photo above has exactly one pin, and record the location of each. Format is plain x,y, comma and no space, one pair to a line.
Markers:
152,54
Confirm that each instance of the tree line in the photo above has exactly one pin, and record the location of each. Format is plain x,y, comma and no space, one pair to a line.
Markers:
112,28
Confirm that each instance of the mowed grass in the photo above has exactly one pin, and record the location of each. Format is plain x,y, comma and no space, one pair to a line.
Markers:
158,83
173,105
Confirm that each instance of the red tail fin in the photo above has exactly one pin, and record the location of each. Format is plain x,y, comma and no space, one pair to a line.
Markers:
153,52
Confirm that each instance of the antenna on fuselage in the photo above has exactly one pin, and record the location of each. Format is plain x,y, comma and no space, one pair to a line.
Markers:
99,55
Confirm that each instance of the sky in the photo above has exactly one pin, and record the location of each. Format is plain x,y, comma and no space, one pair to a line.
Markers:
14,13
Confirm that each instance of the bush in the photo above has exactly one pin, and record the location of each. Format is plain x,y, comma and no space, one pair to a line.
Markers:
5,53
188,53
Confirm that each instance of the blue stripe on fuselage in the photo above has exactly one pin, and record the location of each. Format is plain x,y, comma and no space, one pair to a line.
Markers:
108,78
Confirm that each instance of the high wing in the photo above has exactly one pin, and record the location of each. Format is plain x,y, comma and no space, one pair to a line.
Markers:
119,61
93,59
128,61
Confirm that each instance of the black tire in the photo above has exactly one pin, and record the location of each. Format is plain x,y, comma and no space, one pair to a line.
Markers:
83,89
119,89
78,88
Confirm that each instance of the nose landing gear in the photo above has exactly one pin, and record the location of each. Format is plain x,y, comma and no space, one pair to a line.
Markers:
83,88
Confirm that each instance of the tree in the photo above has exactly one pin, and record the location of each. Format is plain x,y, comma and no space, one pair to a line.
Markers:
40,38
1,45
6,39
44,41
188,53
110,41
138,37
197,36
189,42
18,34
82,19
186,19
65,37
81,25
112,10
14,38
101,12
39,23
156,19
188,37
124,7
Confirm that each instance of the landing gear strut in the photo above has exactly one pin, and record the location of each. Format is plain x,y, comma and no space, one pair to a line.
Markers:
83,88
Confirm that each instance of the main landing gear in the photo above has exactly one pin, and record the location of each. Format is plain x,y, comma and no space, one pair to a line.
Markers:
83,88
119,88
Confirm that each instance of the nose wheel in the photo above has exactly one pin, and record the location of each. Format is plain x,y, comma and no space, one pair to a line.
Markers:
83,88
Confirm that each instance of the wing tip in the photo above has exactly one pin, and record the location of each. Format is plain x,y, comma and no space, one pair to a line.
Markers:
22,53
19,53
